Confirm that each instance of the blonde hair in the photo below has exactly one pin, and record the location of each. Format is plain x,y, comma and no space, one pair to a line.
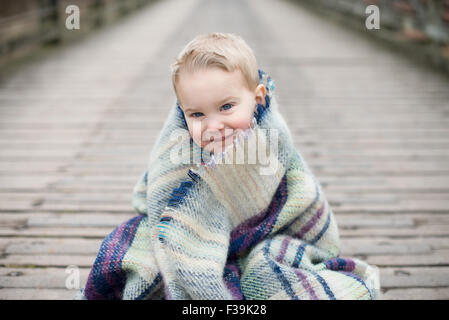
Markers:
223,50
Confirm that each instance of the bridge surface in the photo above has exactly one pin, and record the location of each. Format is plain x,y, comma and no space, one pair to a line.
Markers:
77,125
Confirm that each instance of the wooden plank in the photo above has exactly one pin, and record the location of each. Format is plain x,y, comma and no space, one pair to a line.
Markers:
364,197
384,243
349,152
415,147
336,170
349,224
80,220
414,277
43,205
112,202
431,206
375,247
91,246
439,257
362,221
85,207
397,219
81,232
417,294
87,123
66,197
49,246
320,135
37,153
412,182
334,198
85,232
25,185
418,231
36,294
355,153
39,278
49,260
110,218
82,121
430,184
142,151
63,219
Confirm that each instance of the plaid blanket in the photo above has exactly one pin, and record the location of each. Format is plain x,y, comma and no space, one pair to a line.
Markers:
219,228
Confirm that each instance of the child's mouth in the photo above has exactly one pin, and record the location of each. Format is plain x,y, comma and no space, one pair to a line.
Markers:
218,142
224,138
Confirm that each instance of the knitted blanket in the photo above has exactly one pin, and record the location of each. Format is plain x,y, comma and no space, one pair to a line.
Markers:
222,226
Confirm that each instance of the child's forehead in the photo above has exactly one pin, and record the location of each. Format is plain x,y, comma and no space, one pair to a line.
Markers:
212,75
211,85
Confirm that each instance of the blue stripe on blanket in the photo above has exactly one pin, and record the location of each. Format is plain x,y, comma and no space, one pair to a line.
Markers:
349,274
149,289
278,272
324,284
299,255
326,226
178,194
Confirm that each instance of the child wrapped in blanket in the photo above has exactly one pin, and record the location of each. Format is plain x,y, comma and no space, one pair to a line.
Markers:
227,208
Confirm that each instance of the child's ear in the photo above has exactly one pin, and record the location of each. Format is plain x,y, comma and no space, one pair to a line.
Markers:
260,93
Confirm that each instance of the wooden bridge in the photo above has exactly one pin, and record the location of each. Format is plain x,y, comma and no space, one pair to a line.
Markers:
77,125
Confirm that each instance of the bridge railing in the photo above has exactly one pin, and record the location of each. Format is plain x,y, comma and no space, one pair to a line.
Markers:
422,24
27,24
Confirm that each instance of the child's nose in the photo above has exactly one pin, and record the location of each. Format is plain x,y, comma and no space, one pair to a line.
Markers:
214,124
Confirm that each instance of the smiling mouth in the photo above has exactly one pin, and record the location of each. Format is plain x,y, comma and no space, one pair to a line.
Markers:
212,139
223,139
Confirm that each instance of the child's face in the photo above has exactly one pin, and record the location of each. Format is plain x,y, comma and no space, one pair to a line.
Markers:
216,104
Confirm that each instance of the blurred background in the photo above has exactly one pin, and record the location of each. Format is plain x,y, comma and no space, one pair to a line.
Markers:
80,109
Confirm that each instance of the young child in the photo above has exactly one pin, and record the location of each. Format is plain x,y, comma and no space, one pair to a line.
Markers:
216,81
215,227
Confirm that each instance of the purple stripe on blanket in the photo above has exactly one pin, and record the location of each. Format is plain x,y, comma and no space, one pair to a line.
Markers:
323,231
311,223
115,277
231,278
167,292
284,246
128,232
106,279
253,230
109,264
306,284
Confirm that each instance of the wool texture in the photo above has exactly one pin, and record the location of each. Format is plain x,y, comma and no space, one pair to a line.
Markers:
222,229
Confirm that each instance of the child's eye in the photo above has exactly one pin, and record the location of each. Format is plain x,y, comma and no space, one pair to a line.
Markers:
225,107
196,114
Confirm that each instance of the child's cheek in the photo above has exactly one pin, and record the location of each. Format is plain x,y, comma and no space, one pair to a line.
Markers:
196,135
241,121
